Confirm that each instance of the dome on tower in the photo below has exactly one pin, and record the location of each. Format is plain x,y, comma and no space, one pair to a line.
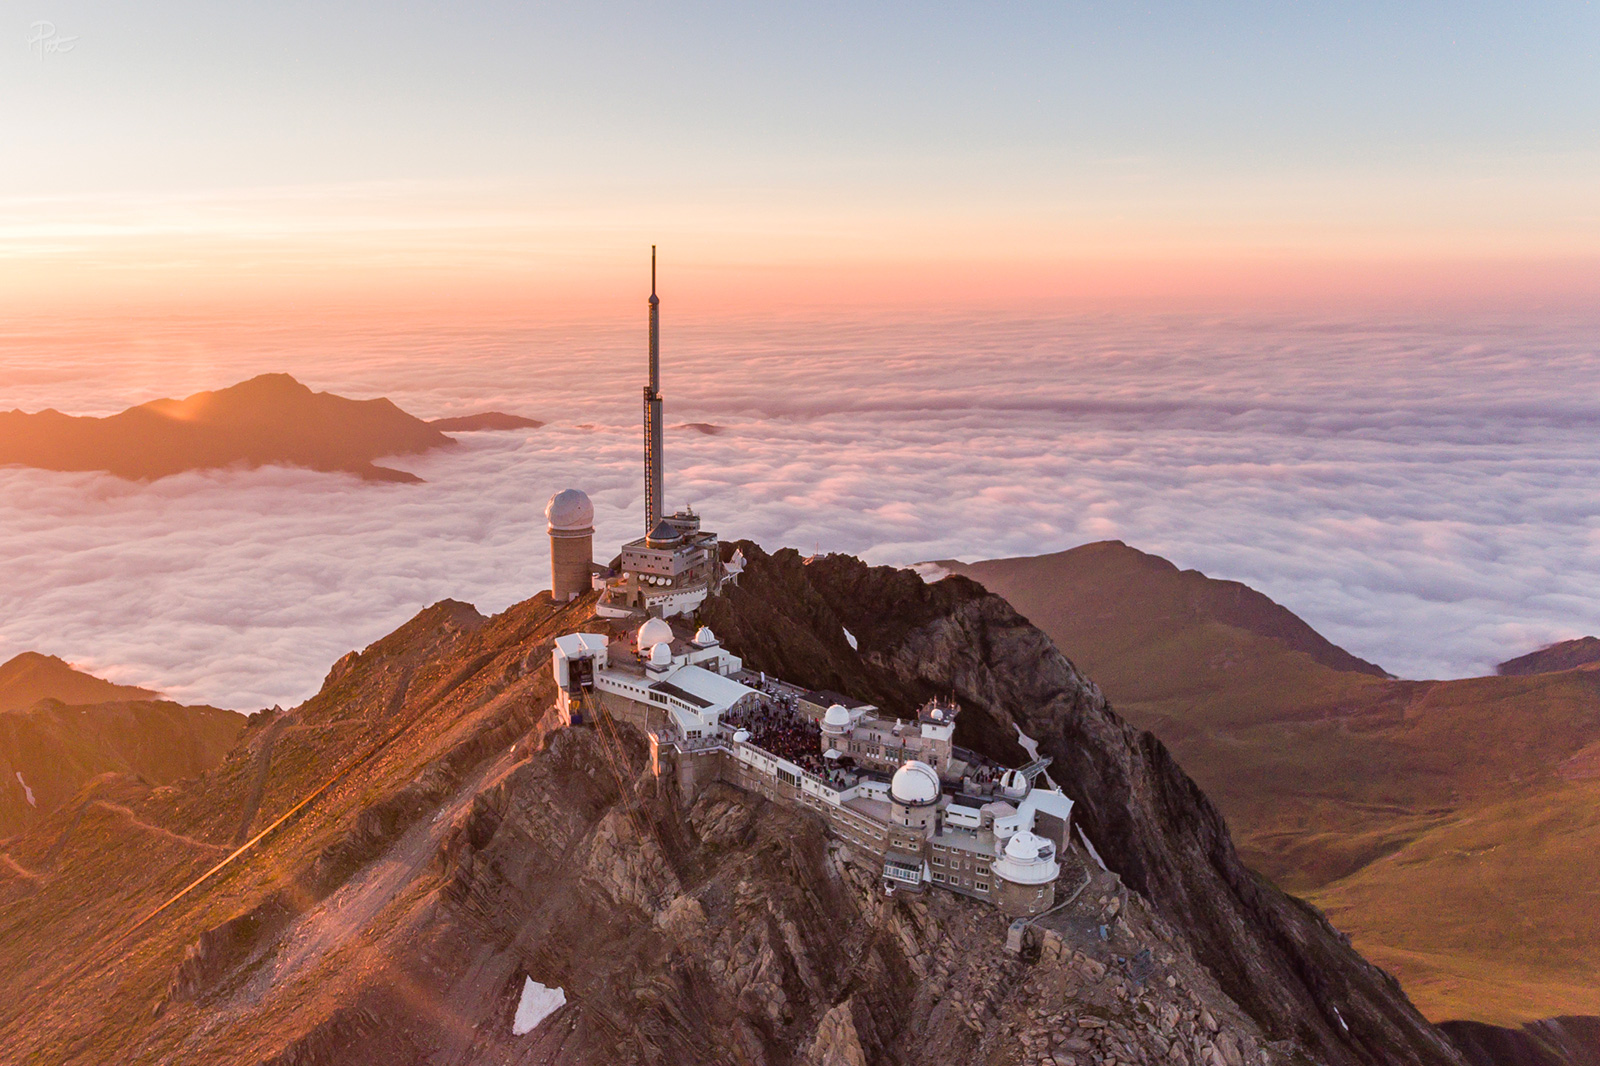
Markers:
661,654
836,719
704,638
1014,783
570,511
654,631
663,536
1029,859
915,784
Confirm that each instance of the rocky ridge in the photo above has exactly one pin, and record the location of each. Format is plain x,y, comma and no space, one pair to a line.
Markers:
429,840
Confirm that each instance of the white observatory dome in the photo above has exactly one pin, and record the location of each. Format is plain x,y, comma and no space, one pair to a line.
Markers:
1029,860
736,564
570,511
1014,783
741,735
704,637
836,719
661,654
653,632
915,784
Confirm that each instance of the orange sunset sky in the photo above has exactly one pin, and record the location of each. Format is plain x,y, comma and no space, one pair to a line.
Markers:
511,157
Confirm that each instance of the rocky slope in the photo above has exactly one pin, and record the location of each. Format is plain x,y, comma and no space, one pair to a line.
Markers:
1448,826
49,751
427,841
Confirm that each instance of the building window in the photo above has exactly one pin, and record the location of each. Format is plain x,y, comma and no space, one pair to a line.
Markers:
981,887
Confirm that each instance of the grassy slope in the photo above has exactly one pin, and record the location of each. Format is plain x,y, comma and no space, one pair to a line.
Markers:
1427,818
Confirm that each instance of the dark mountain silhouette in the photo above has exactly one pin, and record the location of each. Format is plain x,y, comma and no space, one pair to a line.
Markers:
271,419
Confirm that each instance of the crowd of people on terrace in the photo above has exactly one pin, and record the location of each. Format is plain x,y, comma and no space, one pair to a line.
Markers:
781,729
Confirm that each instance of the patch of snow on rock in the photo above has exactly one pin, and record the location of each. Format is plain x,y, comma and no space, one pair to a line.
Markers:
26,789
850,638
537,1004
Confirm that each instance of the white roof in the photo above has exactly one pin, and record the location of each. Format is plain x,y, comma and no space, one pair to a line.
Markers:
574,645
915,782
721,692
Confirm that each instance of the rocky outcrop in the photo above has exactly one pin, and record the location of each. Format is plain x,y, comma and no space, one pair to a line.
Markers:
1275,956
430,839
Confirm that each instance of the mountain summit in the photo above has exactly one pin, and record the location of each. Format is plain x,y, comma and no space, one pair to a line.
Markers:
270,419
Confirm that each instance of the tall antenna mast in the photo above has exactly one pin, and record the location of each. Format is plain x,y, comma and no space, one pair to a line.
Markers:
653,435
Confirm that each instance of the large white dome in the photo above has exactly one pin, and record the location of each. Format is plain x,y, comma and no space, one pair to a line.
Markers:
570,511
653,632
836,719
915,783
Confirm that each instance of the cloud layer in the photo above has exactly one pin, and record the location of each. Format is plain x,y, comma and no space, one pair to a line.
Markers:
1425,493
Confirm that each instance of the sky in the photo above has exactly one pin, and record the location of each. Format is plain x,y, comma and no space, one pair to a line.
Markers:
494,155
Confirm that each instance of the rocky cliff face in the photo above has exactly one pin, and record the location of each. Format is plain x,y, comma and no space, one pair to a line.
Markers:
1274,955
428,841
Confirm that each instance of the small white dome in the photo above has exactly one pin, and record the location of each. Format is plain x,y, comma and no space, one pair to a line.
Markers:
938,714
1029,859
653,632
915,784
570,511
661,654
741,735
836,718
736,564
704,637
1014,783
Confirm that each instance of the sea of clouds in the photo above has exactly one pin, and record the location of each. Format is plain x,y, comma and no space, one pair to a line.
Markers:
1425,493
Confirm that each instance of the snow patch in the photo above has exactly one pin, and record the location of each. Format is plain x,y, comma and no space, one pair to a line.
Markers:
26,789
1093,853
537,1004
850,639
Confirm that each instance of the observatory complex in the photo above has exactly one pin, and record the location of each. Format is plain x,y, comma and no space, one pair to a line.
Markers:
903,797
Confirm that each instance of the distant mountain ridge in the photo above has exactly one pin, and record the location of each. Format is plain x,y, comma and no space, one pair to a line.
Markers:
60,728
1567,655
1101,577
30,677
271,419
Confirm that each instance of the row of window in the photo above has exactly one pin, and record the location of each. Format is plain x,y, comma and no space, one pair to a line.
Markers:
961,882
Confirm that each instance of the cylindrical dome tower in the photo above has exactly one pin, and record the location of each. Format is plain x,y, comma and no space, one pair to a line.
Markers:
1025,875
571,518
